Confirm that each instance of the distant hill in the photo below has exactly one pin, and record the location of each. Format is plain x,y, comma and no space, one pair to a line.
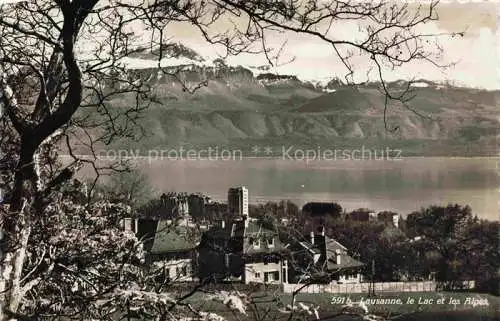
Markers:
245,106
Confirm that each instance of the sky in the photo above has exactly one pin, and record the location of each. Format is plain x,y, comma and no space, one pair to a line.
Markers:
475,56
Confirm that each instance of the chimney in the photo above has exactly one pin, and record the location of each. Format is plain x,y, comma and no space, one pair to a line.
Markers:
337,257
312,237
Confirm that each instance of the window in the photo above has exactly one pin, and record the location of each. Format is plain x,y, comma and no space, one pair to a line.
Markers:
257,275
270,242
180,271
271,276
256,243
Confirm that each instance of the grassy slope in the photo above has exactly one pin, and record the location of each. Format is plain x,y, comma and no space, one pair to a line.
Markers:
238,112
420,312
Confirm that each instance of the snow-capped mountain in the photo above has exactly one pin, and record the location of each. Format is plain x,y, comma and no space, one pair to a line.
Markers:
238,106
176,57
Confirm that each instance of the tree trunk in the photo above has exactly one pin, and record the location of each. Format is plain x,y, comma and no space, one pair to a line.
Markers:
11,292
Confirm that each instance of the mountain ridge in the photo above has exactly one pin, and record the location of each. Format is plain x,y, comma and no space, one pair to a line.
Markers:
243,106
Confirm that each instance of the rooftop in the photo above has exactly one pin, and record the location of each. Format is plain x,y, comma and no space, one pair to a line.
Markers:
310,247
174,238
254,228
237,228
346,261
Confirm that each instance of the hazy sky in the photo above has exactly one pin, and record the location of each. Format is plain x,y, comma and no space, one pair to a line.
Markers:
476,54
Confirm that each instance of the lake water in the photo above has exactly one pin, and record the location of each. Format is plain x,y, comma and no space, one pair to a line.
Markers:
399,185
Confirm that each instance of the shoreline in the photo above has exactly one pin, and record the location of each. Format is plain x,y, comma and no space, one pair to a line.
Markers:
97,157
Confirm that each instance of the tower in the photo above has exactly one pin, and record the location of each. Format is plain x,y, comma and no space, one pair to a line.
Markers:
237,198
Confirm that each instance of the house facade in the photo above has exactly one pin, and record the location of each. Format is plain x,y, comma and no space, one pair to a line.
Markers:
341,266
242,250
174,251
321,259
143,228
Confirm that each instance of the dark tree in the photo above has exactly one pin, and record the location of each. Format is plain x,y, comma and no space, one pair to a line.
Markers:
322,209
442,231
61,68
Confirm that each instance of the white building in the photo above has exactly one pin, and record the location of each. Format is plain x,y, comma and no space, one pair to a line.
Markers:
130,224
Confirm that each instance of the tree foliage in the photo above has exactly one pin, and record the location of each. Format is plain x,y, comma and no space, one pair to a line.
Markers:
62,72
130,187
457,244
